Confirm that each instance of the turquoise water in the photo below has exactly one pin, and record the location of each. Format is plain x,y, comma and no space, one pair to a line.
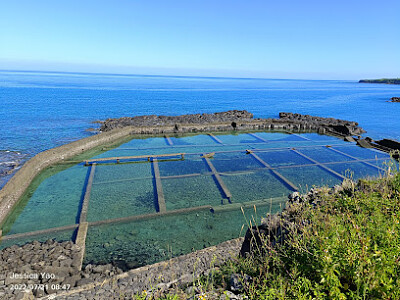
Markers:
356,170
144,242
191,192
255,185
43,110
54,203
66,235
234,161
190,165
324,155
121,199
282,158
306,178
131,189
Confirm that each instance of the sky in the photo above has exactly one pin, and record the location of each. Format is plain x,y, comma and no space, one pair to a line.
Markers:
304,39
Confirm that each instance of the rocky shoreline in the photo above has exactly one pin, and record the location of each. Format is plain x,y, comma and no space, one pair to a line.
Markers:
383,80
395,99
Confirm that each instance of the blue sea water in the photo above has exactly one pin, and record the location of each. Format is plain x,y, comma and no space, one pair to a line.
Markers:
41,110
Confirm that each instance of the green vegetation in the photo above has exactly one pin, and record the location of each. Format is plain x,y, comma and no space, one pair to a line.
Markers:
346,248
383,80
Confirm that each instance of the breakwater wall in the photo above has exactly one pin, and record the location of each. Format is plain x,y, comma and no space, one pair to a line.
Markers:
115,129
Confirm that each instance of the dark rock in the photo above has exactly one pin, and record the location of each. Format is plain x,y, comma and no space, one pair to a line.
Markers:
395,99
391,144
238,282
232,120
153,120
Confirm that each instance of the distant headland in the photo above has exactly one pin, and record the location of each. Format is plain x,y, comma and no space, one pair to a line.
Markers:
382,80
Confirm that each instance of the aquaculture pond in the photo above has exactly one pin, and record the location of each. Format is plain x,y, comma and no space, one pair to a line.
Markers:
150,199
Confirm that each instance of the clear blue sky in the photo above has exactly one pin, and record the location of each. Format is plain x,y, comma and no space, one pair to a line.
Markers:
342,39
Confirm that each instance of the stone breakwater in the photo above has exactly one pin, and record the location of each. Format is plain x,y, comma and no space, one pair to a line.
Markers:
49,269
232,120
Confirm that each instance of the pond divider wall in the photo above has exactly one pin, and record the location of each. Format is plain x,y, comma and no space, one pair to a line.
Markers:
218,178
86,198
116,129
169,141
286,181
215,138
160,193
80,240
258,138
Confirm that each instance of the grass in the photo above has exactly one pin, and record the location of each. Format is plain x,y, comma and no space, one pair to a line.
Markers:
348,247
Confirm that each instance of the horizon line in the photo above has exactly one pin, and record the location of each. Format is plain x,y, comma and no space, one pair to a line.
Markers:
159,75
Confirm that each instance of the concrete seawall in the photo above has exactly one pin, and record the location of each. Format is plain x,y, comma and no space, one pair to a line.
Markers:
233,120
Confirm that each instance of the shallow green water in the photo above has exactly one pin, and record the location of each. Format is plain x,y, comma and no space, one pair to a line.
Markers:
190,165
130,188
306,178
282,158
324,155
254,185
144,242
121,199
191,192
67,235
237,139
54,203
234,161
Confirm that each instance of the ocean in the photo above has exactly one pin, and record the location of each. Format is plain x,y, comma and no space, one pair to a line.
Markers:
41,110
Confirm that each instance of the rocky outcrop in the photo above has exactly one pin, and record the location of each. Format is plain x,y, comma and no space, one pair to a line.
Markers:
395,99
387,145
154,120
232,120
320,124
